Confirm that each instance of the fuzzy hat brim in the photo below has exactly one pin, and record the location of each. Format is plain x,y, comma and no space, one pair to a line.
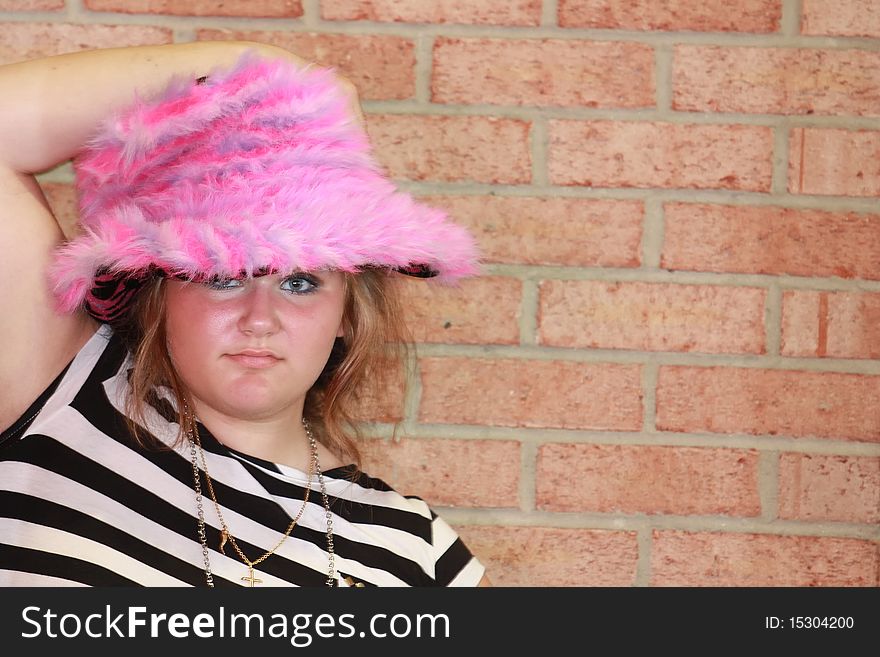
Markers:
260,167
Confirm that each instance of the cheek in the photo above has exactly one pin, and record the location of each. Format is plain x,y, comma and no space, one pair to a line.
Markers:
319,327
192,326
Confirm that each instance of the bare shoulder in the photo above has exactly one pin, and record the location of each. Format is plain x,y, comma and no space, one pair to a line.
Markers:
36,341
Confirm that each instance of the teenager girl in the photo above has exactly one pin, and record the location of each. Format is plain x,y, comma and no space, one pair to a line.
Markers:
177,380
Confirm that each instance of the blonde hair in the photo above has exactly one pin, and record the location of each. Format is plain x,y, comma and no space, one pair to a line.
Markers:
363,362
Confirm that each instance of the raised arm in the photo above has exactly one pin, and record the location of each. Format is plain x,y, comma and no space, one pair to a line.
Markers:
48,107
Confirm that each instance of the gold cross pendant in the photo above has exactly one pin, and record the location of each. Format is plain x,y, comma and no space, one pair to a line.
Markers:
250,578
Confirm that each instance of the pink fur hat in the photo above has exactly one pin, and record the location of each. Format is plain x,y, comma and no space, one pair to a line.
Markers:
258,168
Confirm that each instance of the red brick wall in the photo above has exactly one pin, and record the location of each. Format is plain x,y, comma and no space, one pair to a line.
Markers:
669,373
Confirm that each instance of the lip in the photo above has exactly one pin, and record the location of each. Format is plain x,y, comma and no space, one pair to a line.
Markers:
254,358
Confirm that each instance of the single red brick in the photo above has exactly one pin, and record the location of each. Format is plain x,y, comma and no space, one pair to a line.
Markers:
531,393
651,316
483,310
705,16
243,8
770,240
647,479
22,41
719,559
575,232
776,80
481,12
827,487
841,18
801,319
832,324
543,72
650,154
381,67
545,556
452,148
776,402
835,162
447,472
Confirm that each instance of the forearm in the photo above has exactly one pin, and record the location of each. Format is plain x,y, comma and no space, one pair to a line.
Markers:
50,106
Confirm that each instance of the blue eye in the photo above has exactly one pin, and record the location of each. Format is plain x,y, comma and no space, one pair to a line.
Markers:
300,284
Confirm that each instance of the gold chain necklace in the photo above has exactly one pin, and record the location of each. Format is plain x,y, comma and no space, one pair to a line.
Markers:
226,535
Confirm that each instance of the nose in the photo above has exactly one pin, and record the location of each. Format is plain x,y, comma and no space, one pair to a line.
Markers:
258,314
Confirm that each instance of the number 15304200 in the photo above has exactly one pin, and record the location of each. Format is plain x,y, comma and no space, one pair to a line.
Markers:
809,623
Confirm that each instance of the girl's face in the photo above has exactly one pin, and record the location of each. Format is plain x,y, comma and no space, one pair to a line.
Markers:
251,348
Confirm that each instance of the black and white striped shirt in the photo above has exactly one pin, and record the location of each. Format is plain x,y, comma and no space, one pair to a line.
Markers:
80,504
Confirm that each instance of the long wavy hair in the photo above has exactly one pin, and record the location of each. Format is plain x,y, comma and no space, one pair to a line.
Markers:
362,363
